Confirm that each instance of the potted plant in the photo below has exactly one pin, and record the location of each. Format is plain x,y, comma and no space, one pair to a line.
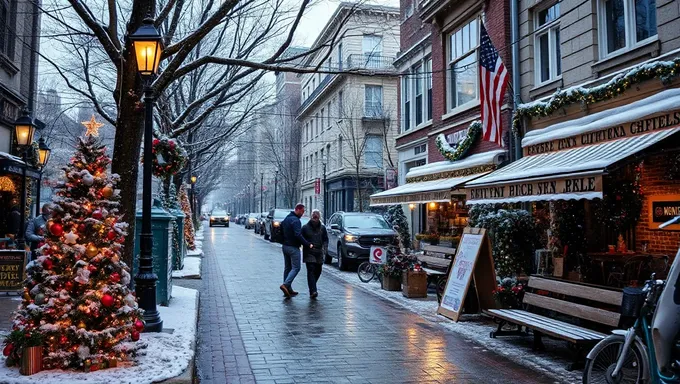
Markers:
391,273
414,279
509,293
25,348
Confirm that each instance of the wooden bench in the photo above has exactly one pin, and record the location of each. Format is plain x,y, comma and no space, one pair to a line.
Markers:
436,263
566,299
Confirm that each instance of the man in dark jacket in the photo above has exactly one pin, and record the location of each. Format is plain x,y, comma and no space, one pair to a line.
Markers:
292,240
315,233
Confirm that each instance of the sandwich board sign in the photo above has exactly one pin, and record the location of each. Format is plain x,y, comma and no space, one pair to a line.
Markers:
473,263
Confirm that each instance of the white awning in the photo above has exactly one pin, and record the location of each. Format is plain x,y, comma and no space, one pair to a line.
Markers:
476,160
422,192
560,175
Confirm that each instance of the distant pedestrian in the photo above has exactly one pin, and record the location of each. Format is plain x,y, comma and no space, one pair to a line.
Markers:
315,233
36,229
292,240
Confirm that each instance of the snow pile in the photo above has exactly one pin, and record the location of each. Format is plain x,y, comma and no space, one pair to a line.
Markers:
477,329
163,356
191,270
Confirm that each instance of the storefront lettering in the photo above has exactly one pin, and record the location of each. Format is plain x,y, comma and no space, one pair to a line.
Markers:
537,188
639,127
583,184
486,193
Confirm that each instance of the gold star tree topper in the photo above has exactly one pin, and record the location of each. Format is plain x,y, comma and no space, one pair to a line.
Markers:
92,127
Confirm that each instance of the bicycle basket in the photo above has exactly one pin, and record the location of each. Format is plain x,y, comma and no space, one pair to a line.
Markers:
633,299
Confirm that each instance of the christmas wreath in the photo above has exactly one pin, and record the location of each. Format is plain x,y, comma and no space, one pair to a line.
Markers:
459,150
621,206
168,157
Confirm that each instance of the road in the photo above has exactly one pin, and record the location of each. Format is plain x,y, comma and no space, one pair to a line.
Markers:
249,333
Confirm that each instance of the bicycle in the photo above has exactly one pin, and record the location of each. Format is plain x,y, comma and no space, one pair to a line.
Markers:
368,271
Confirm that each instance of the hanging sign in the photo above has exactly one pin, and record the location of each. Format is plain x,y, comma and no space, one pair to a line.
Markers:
12,266
317,186
663,208
378,255
473,263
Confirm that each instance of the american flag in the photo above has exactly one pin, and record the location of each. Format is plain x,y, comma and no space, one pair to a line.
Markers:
493,79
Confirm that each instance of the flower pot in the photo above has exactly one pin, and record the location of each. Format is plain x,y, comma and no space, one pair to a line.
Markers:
414,284
31,360
390,283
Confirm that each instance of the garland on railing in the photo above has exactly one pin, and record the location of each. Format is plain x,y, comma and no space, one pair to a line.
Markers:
457,151
664,70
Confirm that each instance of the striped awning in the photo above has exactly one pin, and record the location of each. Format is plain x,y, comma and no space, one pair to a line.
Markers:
423,192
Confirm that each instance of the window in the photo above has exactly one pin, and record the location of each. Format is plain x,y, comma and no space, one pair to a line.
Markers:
418,90
408,9
420,149
547,44
7,28
340,152
340,56
316,126
406,102
307,131
341,112
328,117
373,101
372,48
625,24
323,121
462,67
428,86
373,152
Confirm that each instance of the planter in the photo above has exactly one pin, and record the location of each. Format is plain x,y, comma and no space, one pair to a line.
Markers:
390,283
31,360
414,284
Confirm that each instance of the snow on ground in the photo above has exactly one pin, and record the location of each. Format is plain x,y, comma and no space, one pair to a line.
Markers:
191,270
476,328
165,356
198,252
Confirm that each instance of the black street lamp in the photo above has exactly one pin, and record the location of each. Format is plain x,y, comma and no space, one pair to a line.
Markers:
193,194
43,157
254,194
261,193
24,128
147,43
325,195
276,185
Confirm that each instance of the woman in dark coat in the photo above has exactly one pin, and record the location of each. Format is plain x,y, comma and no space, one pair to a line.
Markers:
315,233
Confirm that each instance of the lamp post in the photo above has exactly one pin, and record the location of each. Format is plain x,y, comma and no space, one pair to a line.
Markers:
147,43
412,207
193,179
276,185
43,157
325,195
24,129
254,195
261,181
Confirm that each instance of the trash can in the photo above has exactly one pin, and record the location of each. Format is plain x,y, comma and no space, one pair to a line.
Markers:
179,255
161,251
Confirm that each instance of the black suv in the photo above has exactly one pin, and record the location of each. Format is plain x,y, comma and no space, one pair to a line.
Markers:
351,235
272,225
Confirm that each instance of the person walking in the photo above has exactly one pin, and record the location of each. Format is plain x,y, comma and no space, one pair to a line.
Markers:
315,233
292,240
35,230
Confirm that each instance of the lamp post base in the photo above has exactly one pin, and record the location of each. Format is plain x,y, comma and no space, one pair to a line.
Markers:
145,288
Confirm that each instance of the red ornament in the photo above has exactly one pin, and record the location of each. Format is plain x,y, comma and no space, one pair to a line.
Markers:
171,144
8,349
115,277
134,335
139,325
47,264
63,339
98,215
94,367
111,235
107,300
68,286
57,229
81,228
156,141
92,268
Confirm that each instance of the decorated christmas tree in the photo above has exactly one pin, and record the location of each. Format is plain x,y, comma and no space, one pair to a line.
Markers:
395,217
189,231
76,294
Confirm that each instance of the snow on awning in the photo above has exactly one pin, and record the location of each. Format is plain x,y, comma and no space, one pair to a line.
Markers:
14,165
441,167
423,192
559,175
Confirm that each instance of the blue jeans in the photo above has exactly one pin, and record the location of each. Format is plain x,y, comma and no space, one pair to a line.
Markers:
291,259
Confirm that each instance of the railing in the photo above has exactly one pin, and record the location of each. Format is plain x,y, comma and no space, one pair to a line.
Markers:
369,61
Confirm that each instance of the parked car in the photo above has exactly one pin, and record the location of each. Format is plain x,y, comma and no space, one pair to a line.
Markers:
351,235
251,220
273,224
260,227
219,217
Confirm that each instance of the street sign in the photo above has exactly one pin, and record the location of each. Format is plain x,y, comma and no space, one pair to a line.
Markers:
378,255
317,186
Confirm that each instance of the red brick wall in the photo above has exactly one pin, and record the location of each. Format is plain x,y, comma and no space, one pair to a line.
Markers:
655,182
413,29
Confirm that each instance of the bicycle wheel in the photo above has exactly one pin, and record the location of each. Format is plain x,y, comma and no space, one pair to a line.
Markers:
366,272
598,370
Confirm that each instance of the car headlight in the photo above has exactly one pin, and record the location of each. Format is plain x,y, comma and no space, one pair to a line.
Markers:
276,223
351,238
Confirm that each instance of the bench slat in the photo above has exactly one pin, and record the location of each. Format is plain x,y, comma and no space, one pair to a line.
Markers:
438,261
590,293
572,309
530,320
432,271
550,323
438,249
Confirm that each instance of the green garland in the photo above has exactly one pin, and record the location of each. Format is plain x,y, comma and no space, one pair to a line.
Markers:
621,206
664,70
459,150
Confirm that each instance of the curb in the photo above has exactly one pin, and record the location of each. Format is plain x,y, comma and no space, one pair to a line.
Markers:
189,374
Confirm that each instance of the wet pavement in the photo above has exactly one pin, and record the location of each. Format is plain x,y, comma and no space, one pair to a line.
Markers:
249,333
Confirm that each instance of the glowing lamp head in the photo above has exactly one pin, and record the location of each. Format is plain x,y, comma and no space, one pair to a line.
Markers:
433,205
24,128
43,153
193,179
411,206
148,45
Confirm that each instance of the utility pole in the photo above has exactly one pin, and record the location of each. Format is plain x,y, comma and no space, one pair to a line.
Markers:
276,185
325,195
254,206
261,186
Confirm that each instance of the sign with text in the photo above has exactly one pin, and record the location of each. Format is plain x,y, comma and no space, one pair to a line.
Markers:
408,198
473,262
456,137
317,186
378,255
639,127
12,266
537,189
663,208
